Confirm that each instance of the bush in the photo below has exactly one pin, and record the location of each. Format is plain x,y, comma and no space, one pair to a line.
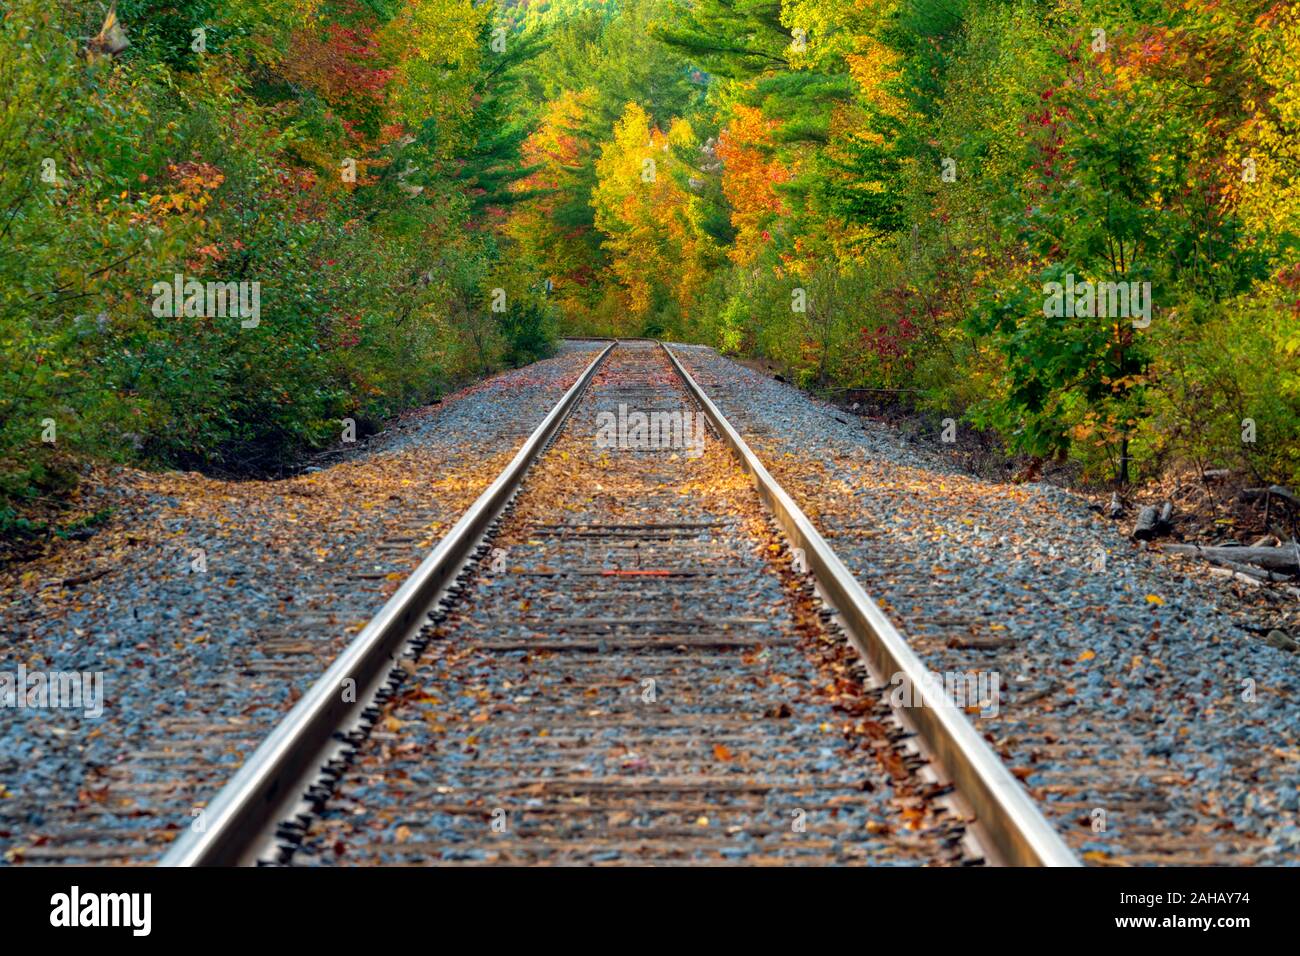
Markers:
224,168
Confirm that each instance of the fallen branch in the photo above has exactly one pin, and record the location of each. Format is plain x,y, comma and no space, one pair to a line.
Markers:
1237,576
1272,593
1285,560
1259,574
81,579
1272,491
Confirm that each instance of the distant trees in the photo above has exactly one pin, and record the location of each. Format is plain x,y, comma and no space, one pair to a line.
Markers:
928,172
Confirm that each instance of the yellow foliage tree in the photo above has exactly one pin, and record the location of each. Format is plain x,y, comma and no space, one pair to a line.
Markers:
650,217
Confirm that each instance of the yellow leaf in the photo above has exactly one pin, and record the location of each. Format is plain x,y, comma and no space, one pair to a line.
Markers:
1155,599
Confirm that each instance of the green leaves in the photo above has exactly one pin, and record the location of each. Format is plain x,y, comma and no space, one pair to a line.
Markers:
225,167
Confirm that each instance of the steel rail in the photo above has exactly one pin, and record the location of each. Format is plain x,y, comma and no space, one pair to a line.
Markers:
1008,821
244,814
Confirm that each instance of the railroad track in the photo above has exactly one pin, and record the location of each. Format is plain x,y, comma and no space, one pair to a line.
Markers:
1147,755
625,653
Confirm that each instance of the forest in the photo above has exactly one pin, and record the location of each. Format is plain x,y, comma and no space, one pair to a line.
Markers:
231,229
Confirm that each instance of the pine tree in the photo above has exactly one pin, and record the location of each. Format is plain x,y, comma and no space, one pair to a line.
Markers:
492,164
